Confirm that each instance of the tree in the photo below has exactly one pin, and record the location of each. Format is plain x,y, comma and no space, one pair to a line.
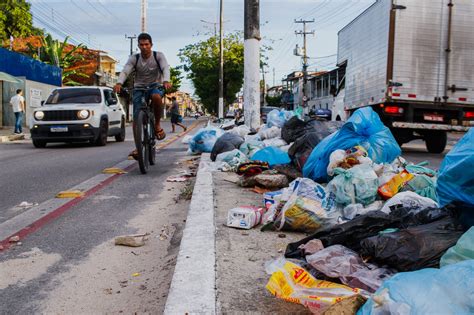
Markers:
175,74
201,61
59,54
16,19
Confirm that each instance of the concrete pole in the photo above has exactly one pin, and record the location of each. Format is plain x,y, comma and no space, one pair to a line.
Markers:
144,5
252,64
221,63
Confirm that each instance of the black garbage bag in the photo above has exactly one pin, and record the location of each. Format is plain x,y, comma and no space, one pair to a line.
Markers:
314,132
413,248
293,129
227,142
351,233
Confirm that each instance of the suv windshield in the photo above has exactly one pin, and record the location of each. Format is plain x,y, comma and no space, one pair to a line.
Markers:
80,95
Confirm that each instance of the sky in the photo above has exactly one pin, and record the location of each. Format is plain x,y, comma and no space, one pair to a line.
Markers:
173,24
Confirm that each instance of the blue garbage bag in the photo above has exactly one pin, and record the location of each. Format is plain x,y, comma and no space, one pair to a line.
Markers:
456,174
271,155
204,140
447,291
279,117
363,128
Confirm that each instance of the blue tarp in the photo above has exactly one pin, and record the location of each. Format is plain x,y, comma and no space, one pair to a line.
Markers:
19,65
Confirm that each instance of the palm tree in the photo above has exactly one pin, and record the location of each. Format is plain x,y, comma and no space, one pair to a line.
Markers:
59,54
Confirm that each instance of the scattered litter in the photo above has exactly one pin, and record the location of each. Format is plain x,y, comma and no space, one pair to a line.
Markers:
176,179
26,204
186,139
165,233
463,250
132,240
70,194
136,274
227,142
113,170
272,181
271,155
245,217
293,283
14,239
259,190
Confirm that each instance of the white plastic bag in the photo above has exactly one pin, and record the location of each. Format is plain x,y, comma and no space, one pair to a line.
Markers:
268,133
410,200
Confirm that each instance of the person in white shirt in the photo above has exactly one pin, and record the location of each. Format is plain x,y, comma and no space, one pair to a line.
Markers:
18,104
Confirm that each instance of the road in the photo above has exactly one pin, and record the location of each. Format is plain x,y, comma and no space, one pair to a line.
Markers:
71,264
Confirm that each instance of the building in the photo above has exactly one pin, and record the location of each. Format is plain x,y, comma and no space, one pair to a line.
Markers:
187,104
323,88
35,78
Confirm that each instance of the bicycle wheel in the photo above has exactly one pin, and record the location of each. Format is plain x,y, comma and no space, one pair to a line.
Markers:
140,133
152,150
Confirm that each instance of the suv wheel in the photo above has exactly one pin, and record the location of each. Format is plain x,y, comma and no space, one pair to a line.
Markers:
121,136
102,137
39,143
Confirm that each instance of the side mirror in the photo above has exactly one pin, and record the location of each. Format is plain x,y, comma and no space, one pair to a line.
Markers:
42,103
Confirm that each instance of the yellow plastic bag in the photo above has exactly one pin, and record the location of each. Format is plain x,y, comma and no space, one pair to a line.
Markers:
293,283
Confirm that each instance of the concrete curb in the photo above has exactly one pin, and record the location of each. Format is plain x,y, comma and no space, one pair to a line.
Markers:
193,288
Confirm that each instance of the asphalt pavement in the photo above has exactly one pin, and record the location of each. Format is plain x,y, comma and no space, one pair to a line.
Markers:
35,175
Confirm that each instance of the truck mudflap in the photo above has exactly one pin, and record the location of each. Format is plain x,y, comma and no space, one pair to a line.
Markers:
406,125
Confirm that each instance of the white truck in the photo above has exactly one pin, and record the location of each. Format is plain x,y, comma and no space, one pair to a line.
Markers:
413,62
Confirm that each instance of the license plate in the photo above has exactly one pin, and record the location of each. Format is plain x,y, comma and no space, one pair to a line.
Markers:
59,129
432,117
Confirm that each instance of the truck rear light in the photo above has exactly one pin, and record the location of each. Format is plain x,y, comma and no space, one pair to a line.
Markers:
412,95
394,110
469,115
396,94
463,99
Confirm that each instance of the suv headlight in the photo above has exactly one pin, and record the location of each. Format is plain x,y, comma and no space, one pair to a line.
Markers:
39,115
83,114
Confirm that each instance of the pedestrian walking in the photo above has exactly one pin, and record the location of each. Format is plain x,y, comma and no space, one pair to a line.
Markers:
176,118
18,104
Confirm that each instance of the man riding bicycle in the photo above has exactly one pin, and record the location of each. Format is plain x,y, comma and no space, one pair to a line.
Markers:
149,67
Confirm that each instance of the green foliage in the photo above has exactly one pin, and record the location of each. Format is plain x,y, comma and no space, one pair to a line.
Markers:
273,100
16,19
54,52
201,61
176,78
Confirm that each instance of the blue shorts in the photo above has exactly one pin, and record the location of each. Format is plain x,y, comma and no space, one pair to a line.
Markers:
139,94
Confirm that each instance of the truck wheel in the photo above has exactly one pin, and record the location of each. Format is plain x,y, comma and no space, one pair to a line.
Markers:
102,137
39,143
436,141
121,136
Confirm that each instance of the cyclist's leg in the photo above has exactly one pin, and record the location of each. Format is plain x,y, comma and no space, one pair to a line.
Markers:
157,102
137,104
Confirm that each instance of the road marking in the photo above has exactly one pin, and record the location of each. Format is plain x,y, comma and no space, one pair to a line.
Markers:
36,217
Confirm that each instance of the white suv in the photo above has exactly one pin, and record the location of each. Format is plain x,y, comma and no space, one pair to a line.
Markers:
86,113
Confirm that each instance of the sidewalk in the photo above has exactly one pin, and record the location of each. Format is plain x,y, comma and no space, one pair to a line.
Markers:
7,135
221,270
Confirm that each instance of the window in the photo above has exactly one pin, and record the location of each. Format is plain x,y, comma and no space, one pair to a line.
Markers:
74,96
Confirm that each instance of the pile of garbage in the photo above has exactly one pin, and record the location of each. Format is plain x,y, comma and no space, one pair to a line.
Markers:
386,235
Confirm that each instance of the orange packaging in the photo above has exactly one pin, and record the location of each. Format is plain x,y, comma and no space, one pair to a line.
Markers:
393,186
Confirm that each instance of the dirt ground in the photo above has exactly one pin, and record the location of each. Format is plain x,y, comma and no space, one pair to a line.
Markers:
242,254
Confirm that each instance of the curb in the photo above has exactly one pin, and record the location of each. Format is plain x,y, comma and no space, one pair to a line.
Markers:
193,287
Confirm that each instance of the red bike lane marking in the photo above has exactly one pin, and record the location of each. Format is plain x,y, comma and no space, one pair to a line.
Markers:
36,225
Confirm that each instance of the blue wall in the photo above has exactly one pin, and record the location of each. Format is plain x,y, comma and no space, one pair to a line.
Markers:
19,65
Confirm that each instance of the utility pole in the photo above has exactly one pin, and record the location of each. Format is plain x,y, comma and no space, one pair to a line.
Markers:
221,61
305,55
131,42
144,5
273,76
251,63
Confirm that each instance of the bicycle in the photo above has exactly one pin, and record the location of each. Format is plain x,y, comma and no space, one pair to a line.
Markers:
144,130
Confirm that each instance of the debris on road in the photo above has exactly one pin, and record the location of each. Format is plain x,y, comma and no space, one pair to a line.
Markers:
132,240
14,239
70,194
114,170
26,204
